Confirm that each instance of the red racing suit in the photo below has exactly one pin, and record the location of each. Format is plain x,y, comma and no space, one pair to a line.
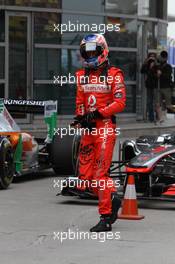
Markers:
96,149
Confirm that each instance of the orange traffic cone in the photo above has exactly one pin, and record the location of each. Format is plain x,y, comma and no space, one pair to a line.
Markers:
129,206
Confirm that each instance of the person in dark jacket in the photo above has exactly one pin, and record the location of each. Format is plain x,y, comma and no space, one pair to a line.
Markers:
165,75
149,69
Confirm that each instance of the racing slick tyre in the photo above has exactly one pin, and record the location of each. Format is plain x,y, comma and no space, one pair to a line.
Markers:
6,164
64,153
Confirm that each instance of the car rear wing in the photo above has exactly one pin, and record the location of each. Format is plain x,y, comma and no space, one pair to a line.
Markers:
48,108
7,123
24,106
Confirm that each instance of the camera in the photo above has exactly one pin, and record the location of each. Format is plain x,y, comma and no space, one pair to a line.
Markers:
156,63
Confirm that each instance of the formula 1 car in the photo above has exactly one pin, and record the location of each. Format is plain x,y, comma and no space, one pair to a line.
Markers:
151,159
20,152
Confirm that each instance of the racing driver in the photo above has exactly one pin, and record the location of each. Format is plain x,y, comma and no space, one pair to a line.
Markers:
100,95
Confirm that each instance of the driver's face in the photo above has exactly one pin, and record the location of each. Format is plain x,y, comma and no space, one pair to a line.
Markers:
91,54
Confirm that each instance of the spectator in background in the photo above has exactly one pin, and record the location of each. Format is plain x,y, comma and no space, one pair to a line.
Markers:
166,83
149,69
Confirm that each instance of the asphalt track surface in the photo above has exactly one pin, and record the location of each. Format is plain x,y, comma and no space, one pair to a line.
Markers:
30,213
